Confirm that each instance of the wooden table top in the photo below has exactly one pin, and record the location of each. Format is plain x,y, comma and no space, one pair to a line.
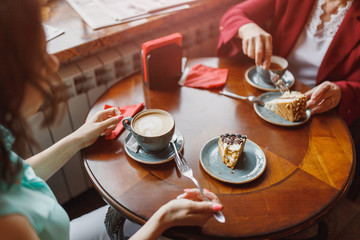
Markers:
309,167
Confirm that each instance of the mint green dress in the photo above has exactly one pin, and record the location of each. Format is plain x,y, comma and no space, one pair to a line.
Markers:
31,197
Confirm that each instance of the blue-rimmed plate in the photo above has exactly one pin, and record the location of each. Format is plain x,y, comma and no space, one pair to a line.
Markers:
250,166
253,78
155,158
272,117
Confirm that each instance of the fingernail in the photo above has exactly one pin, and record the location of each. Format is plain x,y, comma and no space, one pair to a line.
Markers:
120,117
217,207
187,189
206,190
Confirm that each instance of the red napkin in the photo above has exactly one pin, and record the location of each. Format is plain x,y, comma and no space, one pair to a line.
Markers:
201,76
126,111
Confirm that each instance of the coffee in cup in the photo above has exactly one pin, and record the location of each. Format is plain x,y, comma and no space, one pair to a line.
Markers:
152,129
275,67
278,65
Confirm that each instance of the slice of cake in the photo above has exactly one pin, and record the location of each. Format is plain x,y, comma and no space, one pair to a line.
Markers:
290,105
231,148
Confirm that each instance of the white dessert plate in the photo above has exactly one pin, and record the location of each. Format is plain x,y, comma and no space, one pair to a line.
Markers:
272,117
155,158
250,166
254,80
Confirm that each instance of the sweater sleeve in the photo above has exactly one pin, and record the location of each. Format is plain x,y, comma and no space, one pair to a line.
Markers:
349,108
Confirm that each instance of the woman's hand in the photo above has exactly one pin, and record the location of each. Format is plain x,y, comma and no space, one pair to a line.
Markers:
100,124
189,209
323,97
256,44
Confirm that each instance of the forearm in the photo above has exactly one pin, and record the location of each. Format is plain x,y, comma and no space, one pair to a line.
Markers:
47,162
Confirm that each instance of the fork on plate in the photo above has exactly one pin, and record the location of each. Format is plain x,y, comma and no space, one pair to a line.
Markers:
186,170
278,82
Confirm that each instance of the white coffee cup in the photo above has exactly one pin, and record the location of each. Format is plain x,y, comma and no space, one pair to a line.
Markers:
278,65
152,129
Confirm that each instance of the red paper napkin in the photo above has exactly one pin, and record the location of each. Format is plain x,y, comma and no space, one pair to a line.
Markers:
201,76
126,111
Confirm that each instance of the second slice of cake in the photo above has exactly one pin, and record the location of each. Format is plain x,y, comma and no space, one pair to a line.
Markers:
290,105
231,148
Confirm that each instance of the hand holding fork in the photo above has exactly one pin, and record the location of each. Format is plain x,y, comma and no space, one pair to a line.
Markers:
186,170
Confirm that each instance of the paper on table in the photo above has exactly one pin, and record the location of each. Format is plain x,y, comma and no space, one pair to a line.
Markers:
52,32
103,13
133,145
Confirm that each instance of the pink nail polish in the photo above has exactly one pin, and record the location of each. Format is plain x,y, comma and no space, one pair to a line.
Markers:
217,207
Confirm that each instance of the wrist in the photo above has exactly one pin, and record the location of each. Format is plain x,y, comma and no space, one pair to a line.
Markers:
160,220
153,228
243,29
74,141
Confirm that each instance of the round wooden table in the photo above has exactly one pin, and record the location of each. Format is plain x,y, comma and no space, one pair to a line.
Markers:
309,167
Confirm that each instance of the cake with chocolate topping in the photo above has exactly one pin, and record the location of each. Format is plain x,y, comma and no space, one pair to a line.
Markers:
290,105
231,147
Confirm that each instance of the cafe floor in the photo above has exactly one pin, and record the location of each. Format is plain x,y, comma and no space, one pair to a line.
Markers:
343,221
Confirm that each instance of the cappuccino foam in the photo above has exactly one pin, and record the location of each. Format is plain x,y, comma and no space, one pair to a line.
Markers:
153,124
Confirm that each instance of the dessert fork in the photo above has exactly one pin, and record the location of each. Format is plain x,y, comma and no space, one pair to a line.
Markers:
250,98
186,170
278,82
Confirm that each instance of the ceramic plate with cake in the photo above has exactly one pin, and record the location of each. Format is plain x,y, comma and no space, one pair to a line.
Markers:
283,109
254,79
232,158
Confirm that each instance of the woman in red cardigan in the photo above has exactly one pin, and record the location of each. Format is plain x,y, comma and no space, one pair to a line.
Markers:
320,39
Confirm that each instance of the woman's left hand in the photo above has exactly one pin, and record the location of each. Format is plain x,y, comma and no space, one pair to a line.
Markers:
323,97
101,123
